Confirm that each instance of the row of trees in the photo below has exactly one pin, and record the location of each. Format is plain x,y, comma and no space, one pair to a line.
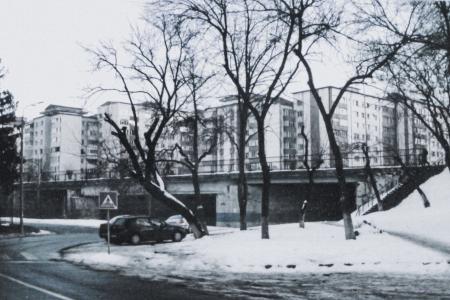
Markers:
259,47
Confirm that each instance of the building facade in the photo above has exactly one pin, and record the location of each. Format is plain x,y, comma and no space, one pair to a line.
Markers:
61,142
384,125
66,143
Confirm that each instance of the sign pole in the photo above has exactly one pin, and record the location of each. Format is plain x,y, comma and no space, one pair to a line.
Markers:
107,213
108,201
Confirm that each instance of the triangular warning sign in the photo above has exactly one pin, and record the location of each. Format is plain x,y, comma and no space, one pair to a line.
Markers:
108,202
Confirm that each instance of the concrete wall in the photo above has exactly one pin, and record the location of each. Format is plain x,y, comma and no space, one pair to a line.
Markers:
80,199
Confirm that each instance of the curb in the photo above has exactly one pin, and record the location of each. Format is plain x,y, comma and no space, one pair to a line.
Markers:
62,250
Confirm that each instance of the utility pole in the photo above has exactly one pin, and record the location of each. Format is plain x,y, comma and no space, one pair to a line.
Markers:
21,177
38,189
22,125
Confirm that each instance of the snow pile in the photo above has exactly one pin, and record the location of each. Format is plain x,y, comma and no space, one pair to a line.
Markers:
42,232
92,223
318,248
410,217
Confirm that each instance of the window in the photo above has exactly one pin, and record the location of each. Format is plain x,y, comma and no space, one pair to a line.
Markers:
143,222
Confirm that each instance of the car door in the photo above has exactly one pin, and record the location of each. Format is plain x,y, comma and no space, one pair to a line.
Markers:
146,229
158,231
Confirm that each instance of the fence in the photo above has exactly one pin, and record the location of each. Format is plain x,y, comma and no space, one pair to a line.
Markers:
351,160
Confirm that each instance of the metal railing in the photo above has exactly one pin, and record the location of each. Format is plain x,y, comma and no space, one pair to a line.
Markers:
287,163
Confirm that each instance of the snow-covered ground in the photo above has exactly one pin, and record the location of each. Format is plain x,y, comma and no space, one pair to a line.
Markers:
92,223
320,247
411,217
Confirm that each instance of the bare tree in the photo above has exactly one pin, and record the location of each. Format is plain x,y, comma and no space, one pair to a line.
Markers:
311,168
423,87
254,50
204,132
411,176
319,23
420,75
365,149
154,76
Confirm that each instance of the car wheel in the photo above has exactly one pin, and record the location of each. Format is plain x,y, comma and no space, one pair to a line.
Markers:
135,239
177,237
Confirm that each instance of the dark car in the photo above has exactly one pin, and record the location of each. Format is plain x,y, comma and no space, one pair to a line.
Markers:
137,229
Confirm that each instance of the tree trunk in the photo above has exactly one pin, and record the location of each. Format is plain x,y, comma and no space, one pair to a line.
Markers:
447,156
242,177
200,210
171,202
302,214
266,181
309,192
372,180
242,189
424,197
339,167
411,177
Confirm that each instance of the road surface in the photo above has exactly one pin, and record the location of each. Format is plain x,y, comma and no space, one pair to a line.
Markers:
30,268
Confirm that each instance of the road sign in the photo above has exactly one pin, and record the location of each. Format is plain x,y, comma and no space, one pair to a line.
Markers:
109,200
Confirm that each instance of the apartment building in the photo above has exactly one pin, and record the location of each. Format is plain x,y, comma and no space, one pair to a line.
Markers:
60,142
416,139
110,148
361,118
280,134
64,141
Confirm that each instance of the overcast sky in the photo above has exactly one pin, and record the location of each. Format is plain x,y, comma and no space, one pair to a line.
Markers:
40,47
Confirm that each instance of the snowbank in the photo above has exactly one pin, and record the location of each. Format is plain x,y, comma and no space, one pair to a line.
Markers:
318,248
93,223
411,217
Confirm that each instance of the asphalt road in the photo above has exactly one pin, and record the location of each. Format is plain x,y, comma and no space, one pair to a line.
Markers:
30,269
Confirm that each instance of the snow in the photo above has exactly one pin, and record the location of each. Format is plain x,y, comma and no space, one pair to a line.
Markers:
42,232
410,217
92,223
319,248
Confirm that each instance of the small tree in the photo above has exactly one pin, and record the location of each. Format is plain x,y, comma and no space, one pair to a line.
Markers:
155,75
311,165
9,158
204,131
411,176
365,149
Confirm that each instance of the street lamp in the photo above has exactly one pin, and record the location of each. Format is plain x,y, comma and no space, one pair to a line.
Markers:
22,125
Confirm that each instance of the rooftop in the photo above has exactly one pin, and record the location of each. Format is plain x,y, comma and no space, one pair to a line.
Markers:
53,109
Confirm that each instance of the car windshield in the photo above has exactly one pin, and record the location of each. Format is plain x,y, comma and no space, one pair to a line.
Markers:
120,221
116,218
